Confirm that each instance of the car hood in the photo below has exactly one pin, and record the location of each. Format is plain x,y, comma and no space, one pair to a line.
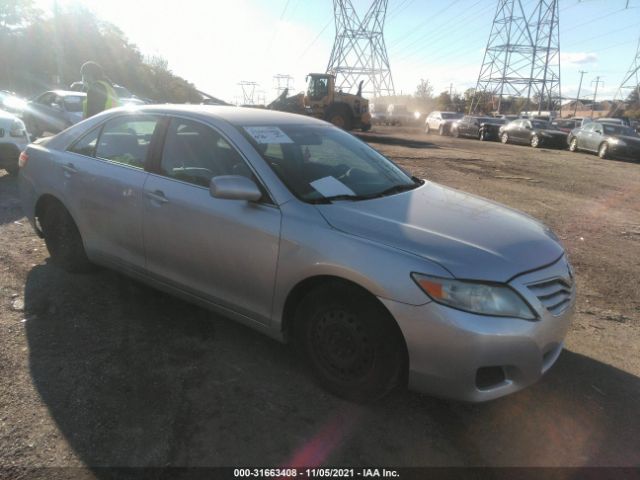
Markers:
471,237
628,140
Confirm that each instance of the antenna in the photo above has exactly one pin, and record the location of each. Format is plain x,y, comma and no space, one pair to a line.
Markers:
522,58
359,51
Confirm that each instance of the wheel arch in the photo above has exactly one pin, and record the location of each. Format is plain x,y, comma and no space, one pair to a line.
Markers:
43,202
307,285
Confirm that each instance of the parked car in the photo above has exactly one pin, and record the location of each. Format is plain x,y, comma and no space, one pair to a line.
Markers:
13,140
53,111
537,133
615,121
399,115
304,232
608,140
568,124
441,122
482,128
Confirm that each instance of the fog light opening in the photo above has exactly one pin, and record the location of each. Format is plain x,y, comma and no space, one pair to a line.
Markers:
489,377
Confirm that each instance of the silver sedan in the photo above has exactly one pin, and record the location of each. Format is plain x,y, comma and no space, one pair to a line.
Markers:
303,232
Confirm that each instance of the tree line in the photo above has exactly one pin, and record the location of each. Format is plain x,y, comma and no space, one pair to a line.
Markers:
40,52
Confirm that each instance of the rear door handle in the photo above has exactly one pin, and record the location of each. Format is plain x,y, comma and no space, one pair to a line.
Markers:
157,196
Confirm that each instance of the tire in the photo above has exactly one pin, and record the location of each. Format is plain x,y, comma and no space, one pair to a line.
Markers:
504,138
573,145
63,240
603,151
340,116
12,168
441,131
535,141
482,136
350,341
454,133
427,129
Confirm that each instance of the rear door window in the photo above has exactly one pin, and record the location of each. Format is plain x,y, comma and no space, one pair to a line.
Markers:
126,140
87,144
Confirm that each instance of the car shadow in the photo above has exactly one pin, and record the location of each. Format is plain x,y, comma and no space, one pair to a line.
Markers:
386,139
135,377
10,208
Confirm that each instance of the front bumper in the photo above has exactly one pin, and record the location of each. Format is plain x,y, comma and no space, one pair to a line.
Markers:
447,348
630,152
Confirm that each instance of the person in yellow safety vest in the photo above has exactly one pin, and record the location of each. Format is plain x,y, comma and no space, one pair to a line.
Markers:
100,93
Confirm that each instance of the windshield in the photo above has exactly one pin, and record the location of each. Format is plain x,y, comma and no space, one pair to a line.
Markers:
448,116
73,103
618,130
318,163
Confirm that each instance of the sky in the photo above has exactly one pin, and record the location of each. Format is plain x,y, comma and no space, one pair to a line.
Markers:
216,44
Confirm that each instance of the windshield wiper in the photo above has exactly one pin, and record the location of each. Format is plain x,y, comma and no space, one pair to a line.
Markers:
340,197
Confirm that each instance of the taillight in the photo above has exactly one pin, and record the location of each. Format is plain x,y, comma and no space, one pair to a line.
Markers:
22,160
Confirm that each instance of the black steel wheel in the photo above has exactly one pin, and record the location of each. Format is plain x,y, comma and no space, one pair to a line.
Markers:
352,344
504,138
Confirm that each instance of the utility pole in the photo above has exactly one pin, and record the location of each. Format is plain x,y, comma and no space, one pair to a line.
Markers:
283,82
359,52
597,81
248,92
575,109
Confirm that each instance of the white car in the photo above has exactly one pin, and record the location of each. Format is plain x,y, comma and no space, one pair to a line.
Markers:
441,122
13,140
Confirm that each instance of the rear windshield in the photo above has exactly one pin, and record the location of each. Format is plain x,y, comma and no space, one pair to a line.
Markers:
448,116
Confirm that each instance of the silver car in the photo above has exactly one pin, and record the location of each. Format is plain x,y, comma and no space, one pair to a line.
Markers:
53,111
300,230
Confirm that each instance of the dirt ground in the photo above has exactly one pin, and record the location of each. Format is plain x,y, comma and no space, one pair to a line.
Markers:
97,370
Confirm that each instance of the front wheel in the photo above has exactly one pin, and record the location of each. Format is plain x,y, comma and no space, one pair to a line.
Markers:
350,341
340,116
504,138
441,131
603,151
535,141
427,129
482,136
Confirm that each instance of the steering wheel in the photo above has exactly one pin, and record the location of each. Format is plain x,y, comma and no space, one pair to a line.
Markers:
341,171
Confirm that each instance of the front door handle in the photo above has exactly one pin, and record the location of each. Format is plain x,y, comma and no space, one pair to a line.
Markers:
157,196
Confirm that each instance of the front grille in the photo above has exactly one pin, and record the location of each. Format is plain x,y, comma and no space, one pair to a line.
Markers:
554,294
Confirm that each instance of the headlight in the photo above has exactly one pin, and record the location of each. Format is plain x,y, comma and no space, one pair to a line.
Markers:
618,142
416,115
475,297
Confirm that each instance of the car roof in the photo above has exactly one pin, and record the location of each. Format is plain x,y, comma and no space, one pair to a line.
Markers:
67,93
238,116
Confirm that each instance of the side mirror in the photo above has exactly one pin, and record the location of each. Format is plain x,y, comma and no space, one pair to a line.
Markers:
234,187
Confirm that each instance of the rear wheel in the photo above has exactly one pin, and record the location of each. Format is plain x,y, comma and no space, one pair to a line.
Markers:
573,145
441,130
603,151
350,341
63,239
504,138
482,136
427,129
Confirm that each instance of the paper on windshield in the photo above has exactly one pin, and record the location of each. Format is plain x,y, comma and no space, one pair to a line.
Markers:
330,186
268,135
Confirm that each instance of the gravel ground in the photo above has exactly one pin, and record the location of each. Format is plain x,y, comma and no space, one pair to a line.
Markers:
97,370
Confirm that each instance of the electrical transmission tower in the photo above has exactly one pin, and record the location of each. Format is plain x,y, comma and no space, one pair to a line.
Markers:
359,52
248,92
283,82
522,58
631,80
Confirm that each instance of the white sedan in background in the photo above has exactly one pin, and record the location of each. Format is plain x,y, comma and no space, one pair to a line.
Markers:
13,140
